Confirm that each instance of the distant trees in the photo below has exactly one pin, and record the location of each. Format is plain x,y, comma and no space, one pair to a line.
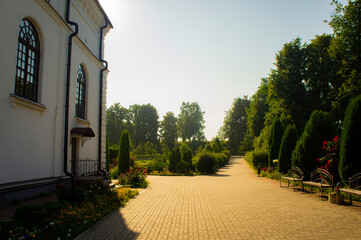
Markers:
235,123
275,140
191,122
169,131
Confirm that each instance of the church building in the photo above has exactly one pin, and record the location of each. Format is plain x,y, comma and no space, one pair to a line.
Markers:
52,94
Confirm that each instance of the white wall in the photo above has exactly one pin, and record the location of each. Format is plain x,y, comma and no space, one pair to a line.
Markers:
31,136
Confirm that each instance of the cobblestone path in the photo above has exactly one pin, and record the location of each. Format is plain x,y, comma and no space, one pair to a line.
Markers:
232,204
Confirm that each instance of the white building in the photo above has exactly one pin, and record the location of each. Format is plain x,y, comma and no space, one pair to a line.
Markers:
52,93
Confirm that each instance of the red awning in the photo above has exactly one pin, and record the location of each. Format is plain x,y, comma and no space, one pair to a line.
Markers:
85,131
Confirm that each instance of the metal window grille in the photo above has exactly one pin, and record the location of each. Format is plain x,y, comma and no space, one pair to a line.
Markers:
80,93
27,66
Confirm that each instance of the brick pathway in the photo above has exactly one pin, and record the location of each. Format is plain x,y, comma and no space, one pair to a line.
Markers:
233,204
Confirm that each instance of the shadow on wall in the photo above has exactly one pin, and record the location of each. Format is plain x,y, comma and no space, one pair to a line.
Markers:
112,226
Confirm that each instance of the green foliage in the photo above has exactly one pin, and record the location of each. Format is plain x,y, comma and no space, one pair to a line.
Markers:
206,162
174,158
113,173
124,154
145,122
350,163
275,140
117,120
135,178
107,153
191,122
157,164
287,93
168,130
247,144
187,158
235,123
259,158
182,167
217,145
288,144
319,128
257,109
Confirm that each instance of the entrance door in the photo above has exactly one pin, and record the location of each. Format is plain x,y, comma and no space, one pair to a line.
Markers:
74,150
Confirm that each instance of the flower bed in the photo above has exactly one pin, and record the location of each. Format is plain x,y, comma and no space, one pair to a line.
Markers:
63,220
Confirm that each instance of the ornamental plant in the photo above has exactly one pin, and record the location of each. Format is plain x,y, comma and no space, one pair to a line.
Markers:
124,155
330,161
135,178
350,145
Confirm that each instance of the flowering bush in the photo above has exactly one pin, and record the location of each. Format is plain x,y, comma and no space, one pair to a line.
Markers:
331,159
71,219
135,178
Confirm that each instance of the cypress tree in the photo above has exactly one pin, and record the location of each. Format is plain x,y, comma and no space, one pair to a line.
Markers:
350,162
174,158
123,155
318,129
275,140
288,143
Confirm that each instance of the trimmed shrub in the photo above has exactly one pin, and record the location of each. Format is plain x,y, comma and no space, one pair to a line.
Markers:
260,158
288,144
206,162
124,155
275,140
222,159
350,163
174,158
157,164
182,167
318,129
187,158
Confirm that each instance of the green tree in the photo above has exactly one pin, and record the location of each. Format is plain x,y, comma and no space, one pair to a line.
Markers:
321,78
117,120
124,155
287,93
257,109
145,121
191,122
168,130
318,129
174,158
350,163
107,153
288,144
346,24
235,123
275,140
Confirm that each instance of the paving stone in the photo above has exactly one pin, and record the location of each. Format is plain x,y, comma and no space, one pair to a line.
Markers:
232,204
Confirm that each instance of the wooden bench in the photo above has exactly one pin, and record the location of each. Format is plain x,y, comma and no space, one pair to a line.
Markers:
354,186
293,175
320,178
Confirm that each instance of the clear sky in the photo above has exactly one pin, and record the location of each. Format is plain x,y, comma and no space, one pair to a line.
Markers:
165,52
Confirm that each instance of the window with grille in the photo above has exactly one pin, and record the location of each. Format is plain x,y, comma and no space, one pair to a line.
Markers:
80,93
27,66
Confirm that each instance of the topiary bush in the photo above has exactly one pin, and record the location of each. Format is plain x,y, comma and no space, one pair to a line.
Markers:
206,162
187,158
124,155
288,144
319,128
350,146
275,140
174,158
182,167
260,158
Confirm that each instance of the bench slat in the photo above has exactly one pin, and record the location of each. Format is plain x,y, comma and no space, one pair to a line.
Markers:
350,191
291,179
316,184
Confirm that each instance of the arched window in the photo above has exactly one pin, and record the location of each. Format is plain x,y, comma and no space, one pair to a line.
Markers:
80,93
27,66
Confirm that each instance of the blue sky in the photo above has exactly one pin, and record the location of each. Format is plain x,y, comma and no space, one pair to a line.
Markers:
165,52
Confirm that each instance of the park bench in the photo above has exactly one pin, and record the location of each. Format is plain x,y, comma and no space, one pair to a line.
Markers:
320,178
293,175
354,186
